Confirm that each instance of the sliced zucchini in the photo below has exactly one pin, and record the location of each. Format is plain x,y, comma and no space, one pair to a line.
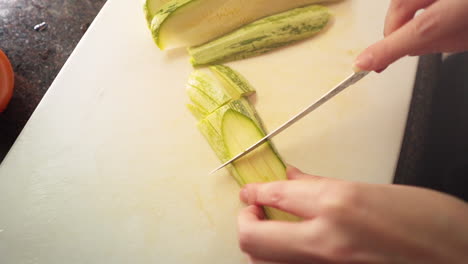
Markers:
233,127
185,23
233,80
262,36
215,140
261,165
151,7
198,112
209,89
200,99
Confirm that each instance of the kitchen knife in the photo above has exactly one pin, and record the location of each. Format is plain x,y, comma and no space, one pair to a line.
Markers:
350,80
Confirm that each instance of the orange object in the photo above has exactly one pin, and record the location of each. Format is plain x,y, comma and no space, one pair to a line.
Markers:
7,81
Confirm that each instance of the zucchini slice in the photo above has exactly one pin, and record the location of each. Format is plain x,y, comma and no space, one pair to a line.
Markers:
185,23
234,126
262,36
151,7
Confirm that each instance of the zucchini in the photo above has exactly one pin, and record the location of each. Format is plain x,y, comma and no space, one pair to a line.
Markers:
151,7
234,126
261,165
198,112
211,88
232,79
262,36
185,23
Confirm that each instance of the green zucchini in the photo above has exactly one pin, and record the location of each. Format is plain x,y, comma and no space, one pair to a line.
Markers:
198,112
262,36
232,79
211,88
185,23
234,126
151,7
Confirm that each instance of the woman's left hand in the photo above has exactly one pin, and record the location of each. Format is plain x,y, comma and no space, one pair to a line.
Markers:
349,222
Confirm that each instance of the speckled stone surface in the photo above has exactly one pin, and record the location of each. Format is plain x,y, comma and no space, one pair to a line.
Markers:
37,57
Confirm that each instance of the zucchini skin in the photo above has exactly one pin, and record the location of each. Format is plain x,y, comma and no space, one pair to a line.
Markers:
233,79
262,36
150,7
160,17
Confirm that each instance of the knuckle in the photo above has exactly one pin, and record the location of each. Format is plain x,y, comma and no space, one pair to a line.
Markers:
330,244
245,239
272,194
341,253
425,25
340,200
398,5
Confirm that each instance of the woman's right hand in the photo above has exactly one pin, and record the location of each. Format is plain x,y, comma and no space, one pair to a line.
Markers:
442,27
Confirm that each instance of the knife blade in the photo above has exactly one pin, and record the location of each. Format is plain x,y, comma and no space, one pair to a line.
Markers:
350,80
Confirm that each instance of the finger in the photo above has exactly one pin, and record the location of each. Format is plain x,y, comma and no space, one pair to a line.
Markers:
296,197
252,260
402,11
294,173
251,213
457,44
269,240
423,32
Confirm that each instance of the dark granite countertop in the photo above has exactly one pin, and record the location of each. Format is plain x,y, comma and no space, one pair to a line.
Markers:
436,138
37,56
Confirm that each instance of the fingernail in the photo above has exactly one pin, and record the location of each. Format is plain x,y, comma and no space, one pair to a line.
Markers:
244,195
364,61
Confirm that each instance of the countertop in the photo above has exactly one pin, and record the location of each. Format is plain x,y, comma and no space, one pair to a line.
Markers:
37,56
435,148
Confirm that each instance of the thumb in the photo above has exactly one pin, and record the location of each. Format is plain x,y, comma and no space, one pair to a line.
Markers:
294,173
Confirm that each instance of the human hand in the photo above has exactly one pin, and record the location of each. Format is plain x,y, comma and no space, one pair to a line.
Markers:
349,222
442,27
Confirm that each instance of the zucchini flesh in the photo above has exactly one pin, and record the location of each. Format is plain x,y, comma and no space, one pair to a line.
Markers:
215,140
234,126
262,164
262,36
184,23
239,133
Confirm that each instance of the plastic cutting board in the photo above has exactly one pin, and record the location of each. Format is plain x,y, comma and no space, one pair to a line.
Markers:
111,168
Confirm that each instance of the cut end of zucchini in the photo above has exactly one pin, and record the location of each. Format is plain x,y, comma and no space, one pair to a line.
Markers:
155,27
165,9
151,7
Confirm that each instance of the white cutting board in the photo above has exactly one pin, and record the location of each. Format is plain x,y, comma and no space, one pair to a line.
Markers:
111,169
